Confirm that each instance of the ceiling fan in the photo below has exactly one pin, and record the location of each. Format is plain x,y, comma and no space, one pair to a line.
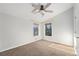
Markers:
40,8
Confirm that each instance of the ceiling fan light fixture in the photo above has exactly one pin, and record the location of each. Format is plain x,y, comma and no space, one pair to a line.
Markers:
41,7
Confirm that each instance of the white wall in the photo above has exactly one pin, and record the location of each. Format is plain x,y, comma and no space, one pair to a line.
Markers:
62,28
16,25
76,19
15,31
76,27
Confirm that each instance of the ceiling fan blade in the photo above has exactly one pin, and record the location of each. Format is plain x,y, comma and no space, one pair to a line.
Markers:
36,5
34,10
46,6
40,12
33,5
48,11
37,11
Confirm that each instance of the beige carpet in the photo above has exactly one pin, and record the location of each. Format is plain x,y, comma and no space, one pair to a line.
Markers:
40,48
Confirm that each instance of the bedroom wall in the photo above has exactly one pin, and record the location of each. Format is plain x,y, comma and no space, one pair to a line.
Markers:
76,27
15,31
62,28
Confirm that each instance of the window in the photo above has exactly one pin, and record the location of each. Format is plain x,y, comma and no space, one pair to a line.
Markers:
48,29
35,29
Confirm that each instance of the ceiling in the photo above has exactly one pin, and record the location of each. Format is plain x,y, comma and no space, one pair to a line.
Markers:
24,10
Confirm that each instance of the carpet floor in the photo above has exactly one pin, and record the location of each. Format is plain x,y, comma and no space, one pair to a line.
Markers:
40,48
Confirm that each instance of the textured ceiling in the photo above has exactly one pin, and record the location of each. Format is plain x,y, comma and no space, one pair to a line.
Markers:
24,10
